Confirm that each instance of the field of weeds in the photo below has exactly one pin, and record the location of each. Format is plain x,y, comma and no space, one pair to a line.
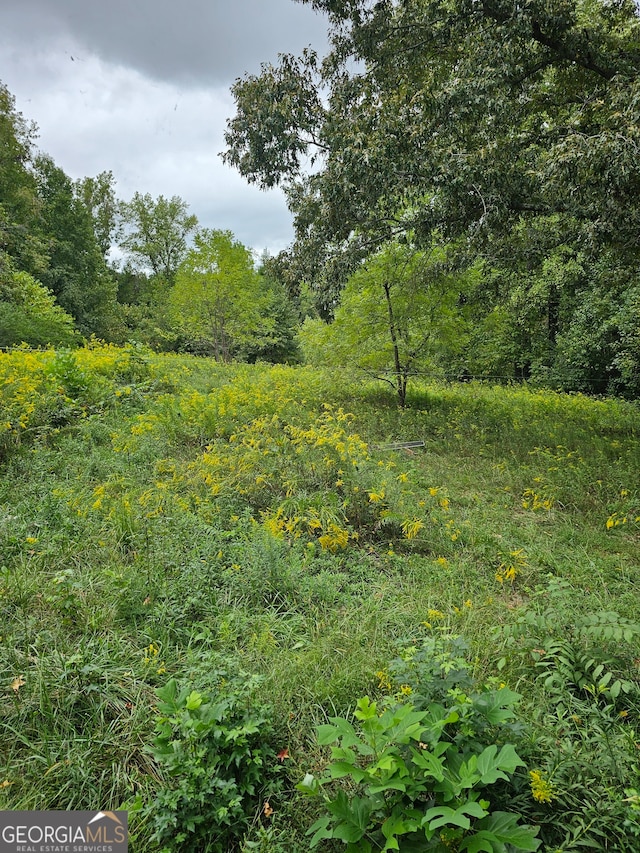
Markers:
205,568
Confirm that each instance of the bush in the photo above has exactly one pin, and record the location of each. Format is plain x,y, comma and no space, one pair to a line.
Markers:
418,779
29,312
216,763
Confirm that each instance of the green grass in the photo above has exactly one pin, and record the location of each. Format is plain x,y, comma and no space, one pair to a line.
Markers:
169,519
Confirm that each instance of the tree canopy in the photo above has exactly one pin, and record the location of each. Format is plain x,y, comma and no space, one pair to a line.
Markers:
219,302
76,272
511,131
457,116
156,232
99,197
20,233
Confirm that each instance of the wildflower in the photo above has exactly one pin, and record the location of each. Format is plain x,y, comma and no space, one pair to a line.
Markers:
406,690
541,789
384,682
435,615
334,538
411,527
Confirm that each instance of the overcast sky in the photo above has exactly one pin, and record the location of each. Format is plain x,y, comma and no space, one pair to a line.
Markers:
141,87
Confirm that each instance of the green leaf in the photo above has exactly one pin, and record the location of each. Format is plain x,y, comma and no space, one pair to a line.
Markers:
501,828
339,728
443,815
508,759
495,705
387,785
339,769
429,763
328,734
353,815
167,695
397,824
365,709
481,842
194,701
309,785
320,829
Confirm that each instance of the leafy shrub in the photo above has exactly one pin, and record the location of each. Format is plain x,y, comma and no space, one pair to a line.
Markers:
416,775
29,312
584,725
216,764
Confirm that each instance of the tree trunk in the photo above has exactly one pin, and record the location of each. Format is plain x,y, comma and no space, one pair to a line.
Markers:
401,377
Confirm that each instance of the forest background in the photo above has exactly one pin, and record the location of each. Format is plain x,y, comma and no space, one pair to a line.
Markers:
464,183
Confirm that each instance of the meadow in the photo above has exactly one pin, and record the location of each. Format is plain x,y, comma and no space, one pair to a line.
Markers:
206,568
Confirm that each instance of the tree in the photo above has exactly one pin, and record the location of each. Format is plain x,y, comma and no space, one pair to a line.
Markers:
19,203
99,197
28,311
470,122
280,345
156,233
76,272
400,314
455,115
218,299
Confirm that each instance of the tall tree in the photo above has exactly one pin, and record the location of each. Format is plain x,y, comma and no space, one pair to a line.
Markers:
219,300
76,273
460,119
19,203
156,232
99,197
451,114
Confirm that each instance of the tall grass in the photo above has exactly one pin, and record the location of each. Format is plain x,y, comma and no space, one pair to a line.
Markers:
161,516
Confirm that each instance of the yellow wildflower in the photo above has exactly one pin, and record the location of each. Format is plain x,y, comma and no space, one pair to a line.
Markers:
411,527
541,789
384,682
435,615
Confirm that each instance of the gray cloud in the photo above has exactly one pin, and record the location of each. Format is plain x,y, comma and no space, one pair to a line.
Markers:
191,42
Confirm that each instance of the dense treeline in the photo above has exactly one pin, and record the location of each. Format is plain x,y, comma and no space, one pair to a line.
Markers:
171,284
464,180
